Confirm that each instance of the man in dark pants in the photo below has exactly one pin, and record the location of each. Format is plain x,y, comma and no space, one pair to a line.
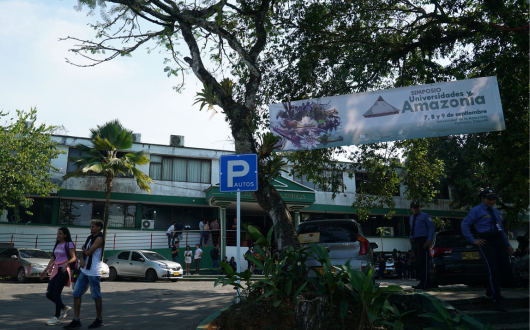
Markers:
421,234
492,242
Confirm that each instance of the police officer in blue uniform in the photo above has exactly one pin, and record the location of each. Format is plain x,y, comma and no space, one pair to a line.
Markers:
492,242
421,234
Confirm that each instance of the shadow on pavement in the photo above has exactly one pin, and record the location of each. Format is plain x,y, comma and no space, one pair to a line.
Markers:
126,306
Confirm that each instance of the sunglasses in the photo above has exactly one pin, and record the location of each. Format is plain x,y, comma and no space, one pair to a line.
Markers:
416,207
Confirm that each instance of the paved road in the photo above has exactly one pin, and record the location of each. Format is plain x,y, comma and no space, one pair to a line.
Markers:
126,305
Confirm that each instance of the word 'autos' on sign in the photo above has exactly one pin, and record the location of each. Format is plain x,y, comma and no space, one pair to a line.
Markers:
448,108
238,173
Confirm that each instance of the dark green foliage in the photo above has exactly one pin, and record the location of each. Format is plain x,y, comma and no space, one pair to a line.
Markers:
26,154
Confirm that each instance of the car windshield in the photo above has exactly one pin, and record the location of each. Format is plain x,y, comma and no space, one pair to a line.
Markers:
451,239
38,254
153,256
331,232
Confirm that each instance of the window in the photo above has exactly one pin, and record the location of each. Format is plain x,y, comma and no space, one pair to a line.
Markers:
41,208
124,255
37,254
363,181
442,193
136,256
331,232
180,169
308,183
8,253
79,213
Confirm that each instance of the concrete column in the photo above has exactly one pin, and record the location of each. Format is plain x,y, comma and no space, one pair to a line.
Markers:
138,223
296,218
222,223
55,211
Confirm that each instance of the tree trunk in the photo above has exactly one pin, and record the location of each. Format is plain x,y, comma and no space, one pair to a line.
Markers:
270,200
311,312
107,210
267,196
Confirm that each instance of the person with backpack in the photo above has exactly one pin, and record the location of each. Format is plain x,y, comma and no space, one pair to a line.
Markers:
63,257
90,274
215,253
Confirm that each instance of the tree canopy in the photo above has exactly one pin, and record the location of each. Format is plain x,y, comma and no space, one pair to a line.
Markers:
251,53
26,154
106,156
337,47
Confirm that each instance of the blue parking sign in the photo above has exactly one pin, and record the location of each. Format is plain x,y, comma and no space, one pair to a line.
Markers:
238,173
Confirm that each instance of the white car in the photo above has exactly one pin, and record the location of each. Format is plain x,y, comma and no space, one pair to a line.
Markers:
143,264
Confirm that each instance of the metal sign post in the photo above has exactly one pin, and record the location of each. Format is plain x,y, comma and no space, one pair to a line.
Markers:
238,241
238,173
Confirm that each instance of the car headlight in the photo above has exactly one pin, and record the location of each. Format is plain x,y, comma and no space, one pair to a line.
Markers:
37,266
164,267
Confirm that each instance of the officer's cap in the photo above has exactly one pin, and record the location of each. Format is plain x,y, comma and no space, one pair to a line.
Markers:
414,204
488,193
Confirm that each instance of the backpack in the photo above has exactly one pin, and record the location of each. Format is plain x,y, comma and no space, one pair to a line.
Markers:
75,264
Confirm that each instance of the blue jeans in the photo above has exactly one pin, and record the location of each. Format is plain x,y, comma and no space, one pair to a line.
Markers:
176,258
170,242
55,288
84,280
216,267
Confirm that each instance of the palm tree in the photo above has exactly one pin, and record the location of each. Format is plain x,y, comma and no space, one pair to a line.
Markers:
102,158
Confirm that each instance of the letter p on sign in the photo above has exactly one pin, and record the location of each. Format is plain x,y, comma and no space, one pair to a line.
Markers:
238,172
232,173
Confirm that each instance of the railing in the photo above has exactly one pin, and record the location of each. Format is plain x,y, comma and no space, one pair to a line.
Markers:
127,240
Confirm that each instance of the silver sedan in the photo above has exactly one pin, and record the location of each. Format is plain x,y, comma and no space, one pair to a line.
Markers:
143,264
23,263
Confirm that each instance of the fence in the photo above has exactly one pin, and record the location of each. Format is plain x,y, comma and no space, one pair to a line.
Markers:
120,240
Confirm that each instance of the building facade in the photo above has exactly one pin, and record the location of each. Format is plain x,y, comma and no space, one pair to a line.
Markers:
186,189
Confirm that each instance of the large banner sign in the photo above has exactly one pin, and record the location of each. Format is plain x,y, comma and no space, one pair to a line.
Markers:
450,108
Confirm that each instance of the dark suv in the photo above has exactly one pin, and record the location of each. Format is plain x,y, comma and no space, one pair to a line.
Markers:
455,260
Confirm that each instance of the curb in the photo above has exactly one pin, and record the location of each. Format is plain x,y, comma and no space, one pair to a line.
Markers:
207,321
465,319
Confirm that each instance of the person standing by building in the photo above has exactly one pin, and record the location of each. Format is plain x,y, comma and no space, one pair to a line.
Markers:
169,235
187,259
63,254
233,264
175,252
206,233
398,263
178,230
233,233
492,242
214,228
90,275
201,231
215,254
197,259
421,234
382,264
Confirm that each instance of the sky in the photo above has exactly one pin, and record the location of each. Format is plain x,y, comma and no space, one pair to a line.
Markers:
135,90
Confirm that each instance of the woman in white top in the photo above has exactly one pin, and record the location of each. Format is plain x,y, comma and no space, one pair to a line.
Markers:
187,259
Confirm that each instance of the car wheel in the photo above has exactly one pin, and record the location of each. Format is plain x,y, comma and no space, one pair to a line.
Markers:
113,274
21,275
150,275
174,280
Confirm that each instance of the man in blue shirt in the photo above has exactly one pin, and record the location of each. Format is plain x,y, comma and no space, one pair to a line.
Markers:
492,242
421,234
